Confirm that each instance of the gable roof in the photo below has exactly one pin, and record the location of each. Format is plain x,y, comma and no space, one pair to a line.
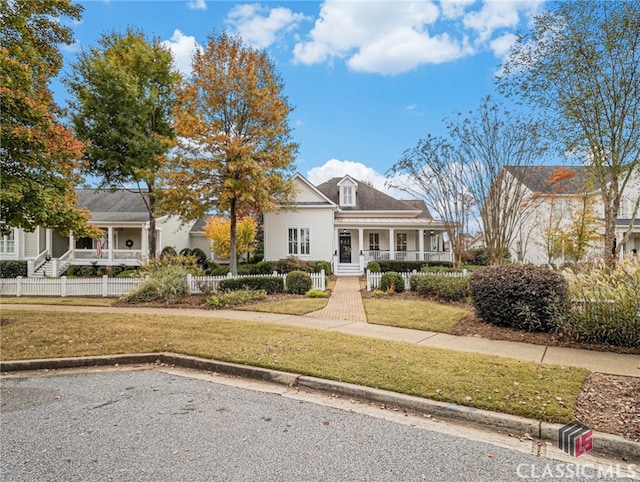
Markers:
106,206
552,179
367,198
319,196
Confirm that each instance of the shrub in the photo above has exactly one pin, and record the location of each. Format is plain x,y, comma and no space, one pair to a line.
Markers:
392,281
287,265
235,298
445,288
373,266
168,251
128,273
271,284
299,282
10,268
318,266
186,252
606,304
201,257
188,262
165,282
265,267
378,293
316,294
527,297
400,266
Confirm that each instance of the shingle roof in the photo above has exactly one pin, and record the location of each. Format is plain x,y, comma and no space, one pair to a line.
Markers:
120,205
552,179
369,199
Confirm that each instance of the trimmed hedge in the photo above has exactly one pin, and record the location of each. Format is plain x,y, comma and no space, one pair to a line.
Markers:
12,268
392,280
408,266
373,266
299,282
271,284
168,251
445,288
522,296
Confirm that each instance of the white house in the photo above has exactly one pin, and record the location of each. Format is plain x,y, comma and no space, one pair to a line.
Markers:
553,194
349,223
123,217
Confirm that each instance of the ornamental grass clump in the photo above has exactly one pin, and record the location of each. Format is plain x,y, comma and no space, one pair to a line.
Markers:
522,296
165,279
605,306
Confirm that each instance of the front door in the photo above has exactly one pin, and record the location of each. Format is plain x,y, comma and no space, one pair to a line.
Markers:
345,248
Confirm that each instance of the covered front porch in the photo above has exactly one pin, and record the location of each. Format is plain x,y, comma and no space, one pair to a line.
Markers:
121,245
355,247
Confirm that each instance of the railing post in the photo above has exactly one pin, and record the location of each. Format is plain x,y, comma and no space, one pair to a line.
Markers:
19,286
30,267
189,277
105,286
368,280
63,286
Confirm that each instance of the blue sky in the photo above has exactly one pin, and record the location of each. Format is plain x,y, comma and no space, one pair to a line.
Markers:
367,79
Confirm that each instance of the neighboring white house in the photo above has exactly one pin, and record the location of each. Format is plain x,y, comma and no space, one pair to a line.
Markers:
349,223
553,194
123,217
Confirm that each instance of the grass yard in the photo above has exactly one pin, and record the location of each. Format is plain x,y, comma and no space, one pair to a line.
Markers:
57,300
538,391
418,315
297,306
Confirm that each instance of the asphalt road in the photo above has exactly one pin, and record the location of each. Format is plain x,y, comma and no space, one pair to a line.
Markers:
149,425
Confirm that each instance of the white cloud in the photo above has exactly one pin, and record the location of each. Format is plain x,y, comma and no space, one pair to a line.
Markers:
259,26
502,45
182,48
389,38
336,168
380,37
197,4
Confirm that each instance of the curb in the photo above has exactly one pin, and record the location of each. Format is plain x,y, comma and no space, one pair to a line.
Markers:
606,443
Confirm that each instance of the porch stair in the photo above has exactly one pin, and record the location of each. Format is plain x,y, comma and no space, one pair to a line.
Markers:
45,269
352,269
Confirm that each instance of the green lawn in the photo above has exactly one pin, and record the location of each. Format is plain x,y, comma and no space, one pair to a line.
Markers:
419,315
57,300
488,382
299,306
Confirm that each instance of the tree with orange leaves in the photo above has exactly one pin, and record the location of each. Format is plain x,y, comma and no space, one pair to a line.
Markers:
218,230
235,153
39,156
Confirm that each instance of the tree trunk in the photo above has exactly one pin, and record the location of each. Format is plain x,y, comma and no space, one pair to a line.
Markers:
233,222
152,224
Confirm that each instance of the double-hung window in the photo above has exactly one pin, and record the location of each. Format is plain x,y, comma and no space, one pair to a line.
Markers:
401,241
299,241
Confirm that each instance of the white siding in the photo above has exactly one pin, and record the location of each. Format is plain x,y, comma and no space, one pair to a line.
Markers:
318,220
31,244
174,234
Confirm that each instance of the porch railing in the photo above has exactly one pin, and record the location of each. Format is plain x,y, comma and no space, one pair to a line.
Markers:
429,256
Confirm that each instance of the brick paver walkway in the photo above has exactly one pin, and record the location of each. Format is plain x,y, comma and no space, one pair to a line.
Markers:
345,302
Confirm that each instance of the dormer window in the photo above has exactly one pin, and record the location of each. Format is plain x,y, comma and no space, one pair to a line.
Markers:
347,196
348,188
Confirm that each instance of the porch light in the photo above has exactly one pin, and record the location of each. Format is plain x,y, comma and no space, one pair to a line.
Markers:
431,232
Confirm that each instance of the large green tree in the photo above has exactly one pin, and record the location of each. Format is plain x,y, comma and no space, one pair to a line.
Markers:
580,65
122,97
38,155
235,151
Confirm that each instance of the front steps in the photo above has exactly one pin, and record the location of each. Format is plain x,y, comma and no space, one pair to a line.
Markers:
352,269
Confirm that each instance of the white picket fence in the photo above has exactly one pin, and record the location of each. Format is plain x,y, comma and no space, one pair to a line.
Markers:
373,279
108,287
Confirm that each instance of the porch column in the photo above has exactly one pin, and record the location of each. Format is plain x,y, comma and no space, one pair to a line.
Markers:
72,242
144,241
421,243
392,241
110,243
48,245
361,248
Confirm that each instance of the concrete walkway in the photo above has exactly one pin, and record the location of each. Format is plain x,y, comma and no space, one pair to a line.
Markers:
345,314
